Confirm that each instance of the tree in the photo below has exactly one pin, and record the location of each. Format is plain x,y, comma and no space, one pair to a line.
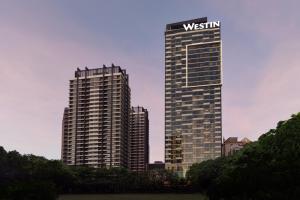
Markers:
266,169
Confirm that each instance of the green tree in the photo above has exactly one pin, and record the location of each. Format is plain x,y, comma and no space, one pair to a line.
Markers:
266,169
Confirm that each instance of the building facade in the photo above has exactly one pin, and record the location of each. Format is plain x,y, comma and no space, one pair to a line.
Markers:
233,145
65,137
139,139
97,118
193,82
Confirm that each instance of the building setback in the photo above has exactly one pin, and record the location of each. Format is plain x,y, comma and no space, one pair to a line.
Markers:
139,139
97,118
193,119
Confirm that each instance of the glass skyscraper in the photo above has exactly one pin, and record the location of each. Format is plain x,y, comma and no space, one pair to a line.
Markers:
193,82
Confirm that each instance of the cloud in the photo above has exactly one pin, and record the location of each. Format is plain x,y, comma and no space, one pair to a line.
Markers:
273,95
35,69
42,44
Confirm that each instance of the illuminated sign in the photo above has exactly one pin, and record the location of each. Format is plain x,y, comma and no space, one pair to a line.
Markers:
206,25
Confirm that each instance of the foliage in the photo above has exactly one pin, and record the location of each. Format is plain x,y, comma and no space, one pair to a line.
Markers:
32,177
263,170
266,169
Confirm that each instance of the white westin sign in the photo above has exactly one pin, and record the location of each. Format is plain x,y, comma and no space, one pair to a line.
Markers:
194,26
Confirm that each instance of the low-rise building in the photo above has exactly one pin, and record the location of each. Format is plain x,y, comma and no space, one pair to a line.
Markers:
157,165
231,145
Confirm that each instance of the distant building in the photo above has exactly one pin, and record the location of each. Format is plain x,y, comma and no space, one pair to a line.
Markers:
139,139
232,145
156,165
96,122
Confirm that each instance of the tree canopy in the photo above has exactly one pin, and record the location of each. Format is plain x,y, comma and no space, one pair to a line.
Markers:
32,177
266,169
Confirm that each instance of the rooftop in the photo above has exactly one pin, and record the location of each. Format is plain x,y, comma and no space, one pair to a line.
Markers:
179,25
96,71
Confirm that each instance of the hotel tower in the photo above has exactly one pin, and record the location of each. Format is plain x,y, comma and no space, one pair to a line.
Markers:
193,83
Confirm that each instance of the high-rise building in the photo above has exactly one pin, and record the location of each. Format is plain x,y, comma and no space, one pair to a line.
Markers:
193,81
97,118
139,139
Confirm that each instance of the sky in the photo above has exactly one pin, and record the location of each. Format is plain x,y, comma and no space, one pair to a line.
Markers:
43,42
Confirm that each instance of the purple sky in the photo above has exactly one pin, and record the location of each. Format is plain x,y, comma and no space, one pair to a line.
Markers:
42,43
